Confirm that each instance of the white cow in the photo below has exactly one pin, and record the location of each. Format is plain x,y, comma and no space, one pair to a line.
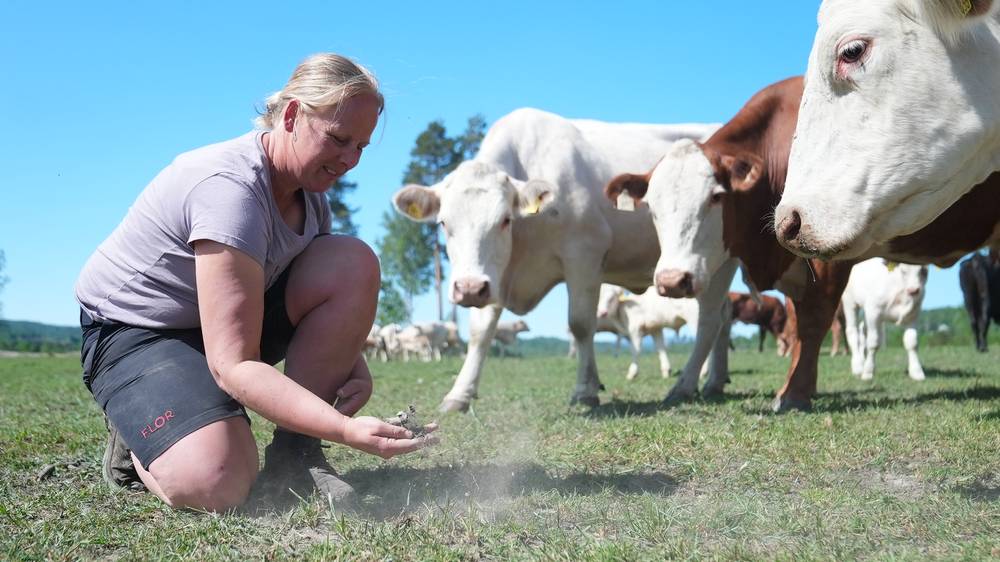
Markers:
607,299
528,213
413,340
648,314
439,336
390,348
899,118
884,291
506,334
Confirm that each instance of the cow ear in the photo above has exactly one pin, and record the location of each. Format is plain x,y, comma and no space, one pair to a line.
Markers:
743,172
950,17
417,203
532,197
634,185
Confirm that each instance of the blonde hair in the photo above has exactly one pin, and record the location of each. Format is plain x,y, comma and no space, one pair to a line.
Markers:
320,82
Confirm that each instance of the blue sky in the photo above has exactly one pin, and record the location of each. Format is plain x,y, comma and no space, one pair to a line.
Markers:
100,96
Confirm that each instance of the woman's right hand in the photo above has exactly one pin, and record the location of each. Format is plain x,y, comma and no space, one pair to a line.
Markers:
377,437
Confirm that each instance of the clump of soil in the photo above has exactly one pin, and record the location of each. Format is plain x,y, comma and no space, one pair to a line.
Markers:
408,419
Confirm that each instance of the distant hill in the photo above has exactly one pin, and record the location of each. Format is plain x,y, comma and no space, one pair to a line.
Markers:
33,336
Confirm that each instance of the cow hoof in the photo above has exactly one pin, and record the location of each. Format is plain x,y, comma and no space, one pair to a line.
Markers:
675,398
588,401
712,393
453,406
782,404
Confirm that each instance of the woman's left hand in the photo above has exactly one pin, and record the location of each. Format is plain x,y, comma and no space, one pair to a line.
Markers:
355,392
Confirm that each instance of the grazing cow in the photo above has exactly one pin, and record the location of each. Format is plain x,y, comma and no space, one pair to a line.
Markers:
712,203
506,334
979,276
413,340
884,291
391,348
440,335
607,299
374,344
900,117
769,316
528,213
648,314
837,332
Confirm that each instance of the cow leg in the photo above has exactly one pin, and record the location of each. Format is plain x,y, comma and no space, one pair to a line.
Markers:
635,341
910,342
482,326
874,334
760,340
814,314
719,358
975,294
661,352
710,308
854,340
583,289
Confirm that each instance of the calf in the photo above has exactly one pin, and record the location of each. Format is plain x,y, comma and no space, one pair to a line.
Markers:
979,276
528,213
769,316
885,292
413,340
648,314
506,334
712,205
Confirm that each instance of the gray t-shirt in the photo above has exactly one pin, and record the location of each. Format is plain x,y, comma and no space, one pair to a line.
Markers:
144,275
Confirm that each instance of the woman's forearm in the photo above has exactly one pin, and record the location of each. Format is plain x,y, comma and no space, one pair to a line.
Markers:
265,390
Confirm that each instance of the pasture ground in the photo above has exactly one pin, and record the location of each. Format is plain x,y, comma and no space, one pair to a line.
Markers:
886,470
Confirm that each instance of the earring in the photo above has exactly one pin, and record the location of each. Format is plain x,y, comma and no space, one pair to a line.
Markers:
295,135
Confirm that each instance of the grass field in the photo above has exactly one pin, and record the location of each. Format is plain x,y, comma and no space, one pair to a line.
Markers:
886,470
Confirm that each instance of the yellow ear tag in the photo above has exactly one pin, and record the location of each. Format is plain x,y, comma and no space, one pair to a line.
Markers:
415,211
531,209
891,265
966,7
622,298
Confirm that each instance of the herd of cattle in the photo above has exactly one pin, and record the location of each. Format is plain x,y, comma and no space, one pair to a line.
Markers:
888,147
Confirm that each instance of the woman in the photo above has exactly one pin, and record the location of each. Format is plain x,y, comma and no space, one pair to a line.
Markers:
222,268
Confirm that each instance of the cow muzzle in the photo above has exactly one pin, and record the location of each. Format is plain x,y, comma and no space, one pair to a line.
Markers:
675,283
470,291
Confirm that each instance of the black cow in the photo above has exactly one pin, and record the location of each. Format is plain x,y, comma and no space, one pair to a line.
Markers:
979,276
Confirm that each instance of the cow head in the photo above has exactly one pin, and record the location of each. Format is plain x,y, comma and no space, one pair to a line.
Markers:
686,193
476,206
899,118
608,300
911,278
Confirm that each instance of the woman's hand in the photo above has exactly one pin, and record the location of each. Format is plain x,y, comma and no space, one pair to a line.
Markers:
374,436
356,391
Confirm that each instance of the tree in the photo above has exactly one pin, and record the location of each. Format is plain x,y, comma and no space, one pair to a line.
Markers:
391,306
411,252
341,214
3,278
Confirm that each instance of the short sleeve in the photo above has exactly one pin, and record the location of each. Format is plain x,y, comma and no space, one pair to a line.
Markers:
224,210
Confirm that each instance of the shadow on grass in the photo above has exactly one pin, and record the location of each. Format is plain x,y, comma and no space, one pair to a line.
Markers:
933,373
850,400
624,408
390,491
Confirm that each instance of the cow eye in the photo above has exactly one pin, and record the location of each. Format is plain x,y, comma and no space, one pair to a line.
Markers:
853,51
715,199
505,223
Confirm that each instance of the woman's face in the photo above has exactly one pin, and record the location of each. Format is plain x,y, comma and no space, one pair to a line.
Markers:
328,143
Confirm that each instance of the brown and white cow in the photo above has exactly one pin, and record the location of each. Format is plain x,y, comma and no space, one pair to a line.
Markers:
712,204
768,315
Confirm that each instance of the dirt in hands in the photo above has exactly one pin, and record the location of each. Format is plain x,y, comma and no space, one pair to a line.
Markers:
408,419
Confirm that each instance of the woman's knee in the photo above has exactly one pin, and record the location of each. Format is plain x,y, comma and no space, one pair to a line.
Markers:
211,469
333,267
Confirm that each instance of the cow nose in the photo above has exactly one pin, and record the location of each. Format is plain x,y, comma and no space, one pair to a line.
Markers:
789,226
913,291
675,283
471,292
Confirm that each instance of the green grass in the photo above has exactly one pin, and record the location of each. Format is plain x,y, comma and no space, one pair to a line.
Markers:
886,470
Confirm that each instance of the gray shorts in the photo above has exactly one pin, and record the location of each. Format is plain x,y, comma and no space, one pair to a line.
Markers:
155,385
